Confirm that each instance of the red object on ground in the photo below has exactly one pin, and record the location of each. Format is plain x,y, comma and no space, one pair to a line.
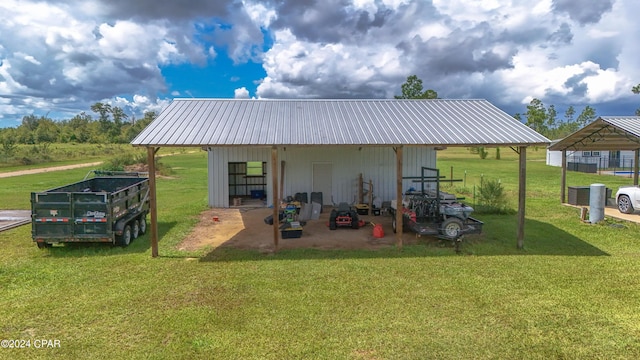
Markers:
378,232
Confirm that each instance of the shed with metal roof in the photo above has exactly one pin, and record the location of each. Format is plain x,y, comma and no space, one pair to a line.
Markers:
604,133
383,139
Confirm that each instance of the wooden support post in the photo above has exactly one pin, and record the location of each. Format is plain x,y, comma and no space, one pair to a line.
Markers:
563,179
399,197
275,196
635,166
522,195
151,154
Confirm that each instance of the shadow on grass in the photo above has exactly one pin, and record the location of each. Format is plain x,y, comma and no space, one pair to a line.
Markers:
139,245
541,238
498,239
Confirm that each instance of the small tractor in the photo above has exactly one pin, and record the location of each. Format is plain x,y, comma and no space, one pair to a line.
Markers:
344,216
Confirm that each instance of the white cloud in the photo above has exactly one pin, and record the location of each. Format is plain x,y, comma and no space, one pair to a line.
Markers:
241,93
260,14
138,104
605,85
345,67
53,55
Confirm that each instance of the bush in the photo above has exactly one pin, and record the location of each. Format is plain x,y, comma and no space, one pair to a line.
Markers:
26,161
492,198
120,162
117,163
480,150
463,191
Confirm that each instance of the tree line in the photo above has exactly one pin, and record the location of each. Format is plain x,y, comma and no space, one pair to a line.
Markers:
111,126
545,120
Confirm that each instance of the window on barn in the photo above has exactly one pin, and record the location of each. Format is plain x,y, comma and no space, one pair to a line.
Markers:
254,168
247,179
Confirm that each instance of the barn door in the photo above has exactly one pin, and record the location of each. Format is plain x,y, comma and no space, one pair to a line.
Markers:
322,175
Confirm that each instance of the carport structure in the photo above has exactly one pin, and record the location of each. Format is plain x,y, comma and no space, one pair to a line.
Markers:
604,133
281,125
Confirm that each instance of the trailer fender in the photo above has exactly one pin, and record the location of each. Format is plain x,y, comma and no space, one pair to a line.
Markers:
120,224
119,227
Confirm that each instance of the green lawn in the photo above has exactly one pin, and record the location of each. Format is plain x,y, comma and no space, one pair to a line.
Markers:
571,293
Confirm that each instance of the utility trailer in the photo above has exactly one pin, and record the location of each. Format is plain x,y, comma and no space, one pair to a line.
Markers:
433,212
110,207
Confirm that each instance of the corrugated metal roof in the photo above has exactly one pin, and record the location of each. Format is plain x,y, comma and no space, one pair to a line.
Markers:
605,133
229,122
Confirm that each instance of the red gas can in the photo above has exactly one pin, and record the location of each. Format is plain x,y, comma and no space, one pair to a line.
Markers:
378,232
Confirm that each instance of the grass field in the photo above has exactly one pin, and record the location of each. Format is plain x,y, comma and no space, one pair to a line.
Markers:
572,293
38,156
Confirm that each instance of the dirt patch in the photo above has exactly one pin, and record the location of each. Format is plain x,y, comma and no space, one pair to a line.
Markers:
244,228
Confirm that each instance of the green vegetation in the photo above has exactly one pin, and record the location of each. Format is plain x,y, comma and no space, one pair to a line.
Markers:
492,197
413,89
572,293
32,141
37,156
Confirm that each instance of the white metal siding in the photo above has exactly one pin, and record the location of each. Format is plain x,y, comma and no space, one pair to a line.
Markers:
375,163
218,164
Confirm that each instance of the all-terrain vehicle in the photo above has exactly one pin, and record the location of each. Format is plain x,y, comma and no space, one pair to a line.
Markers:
434,212
345,216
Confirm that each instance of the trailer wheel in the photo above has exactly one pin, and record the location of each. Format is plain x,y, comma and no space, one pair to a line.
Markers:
451,227
143,224
125,238
393,224
135,231
43,245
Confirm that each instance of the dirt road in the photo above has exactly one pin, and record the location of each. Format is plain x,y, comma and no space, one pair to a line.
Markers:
48,169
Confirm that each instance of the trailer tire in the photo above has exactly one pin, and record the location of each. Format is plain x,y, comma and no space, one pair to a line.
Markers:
143,224
135,230
125,238
393,224
452,227
43,245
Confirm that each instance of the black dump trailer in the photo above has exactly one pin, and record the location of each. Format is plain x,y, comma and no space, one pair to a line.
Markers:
110,207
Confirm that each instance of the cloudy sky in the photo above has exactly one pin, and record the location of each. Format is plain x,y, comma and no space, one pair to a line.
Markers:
58,57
